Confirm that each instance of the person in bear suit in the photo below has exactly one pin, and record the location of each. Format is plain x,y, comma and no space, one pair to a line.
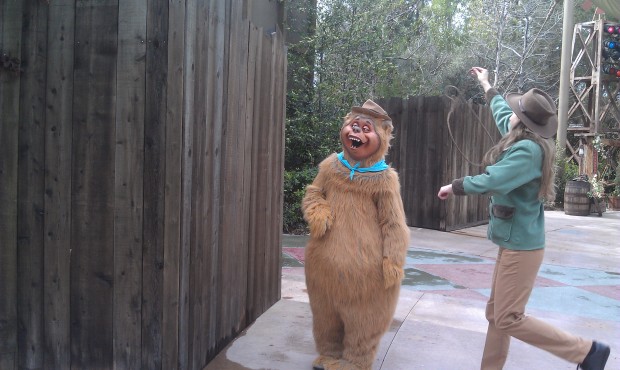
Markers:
358,242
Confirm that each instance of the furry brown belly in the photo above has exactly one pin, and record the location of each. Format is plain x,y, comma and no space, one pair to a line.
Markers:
350,270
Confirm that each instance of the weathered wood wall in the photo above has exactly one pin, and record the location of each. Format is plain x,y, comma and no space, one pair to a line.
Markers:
427,158
141,166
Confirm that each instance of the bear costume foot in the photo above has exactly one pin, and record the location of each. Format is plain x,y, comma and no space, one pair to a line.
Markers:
319,362
343,365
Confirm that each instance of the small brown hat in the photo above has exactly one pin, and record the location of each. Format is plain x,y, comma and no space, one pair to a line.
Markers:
536,110
372,109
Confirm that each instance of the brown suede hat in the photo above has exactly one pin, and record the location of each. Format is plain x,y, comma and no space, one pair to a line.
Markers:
536,110
372,109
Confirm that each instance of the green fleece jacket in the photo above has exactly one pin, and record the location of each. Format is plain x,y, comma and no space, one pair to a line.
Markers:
517,219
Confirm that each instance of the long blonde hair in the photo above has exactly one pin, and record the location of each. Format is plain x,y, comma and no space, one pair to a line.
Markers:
521,132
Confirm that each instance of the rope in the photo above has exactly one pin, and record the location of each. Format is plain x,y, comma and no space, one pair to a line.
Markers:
456,99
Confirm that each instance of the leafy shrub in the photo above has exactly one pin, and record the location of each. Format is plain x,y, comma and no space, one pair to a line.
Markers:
295,183
568,171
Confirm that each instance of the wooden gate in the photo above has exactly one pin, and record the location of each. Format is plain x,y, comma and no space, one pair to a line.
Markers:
426,157
141,166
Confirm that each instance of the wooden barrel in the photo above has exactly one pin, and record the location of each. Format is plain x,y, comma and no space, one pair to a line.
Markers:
576,201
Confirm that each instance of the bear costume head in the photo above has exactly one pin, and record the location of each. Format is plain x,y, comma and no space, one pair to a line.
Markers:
365,134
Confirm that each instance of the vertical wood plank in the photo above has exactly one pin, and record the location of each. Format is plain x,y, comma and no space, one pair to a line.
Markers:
396,108
31,184
200,193
92,222
469,135
277,210
220,186
254,75
187,187
433,169
477,155
200,221
58,162
154,184
173,177
426,157
458,166
449,175
246,150
233,236
402,112
416,147
128,185
11,27
270,211
399,108
216,100
265,173
446,176
470,143
257,255
411,122
234,76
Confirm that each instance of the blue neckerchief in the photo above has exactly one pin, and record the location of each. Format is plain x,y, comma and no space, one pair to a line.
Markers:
377,167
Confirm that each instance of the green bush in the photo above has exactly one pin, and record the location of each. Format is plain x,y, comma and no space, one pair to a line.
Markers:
295,183
570,171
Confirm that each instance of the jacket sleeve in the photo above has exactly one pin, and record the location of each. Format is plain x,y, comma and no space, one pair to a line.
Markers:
500,109
519,165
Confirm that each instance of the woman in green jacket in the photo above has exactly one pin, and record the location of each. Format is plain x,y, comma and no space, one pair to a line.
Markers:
518,176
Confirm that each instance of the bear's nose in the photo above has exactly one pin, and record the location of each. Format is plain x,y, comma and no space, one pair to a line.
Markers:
356,129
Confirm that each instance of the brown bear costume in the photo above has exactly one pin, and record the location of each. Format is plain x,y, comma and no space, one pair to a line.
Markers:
358,242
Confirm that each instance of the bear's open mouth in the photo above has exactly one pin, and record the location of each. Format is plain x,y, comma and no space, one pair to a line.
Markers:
355,142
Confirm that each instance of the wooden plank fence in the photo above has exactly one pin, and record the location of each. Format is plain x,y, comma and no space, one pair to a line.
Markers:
426,157
141,167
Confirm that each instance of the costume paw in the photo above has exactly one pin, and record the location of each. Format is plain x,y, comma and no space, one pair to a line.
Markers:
343,365
392,274
319,362
319,219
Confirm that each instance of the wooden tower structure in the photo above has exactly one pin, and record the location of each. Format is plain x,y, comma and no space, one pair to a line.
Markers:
594,109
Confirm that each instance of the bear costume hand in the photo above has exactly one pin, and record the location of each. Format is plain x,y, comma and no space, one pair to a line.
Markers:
319,219
392,273
317,212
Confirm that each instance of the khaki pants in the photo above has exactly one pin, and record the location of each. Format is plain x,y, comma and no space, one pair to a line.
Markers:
513,280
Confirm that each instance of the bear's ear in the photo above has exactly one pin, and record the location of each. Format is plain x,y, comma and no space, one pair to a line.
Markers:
388,127
346,119
386,131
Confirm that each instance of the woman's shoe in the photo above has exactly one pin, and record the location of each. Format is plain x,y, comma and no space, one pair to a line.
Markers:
596,358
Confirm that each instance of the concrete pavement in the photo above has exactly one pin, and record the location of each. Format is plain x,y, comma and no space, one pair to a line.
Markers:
439,322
